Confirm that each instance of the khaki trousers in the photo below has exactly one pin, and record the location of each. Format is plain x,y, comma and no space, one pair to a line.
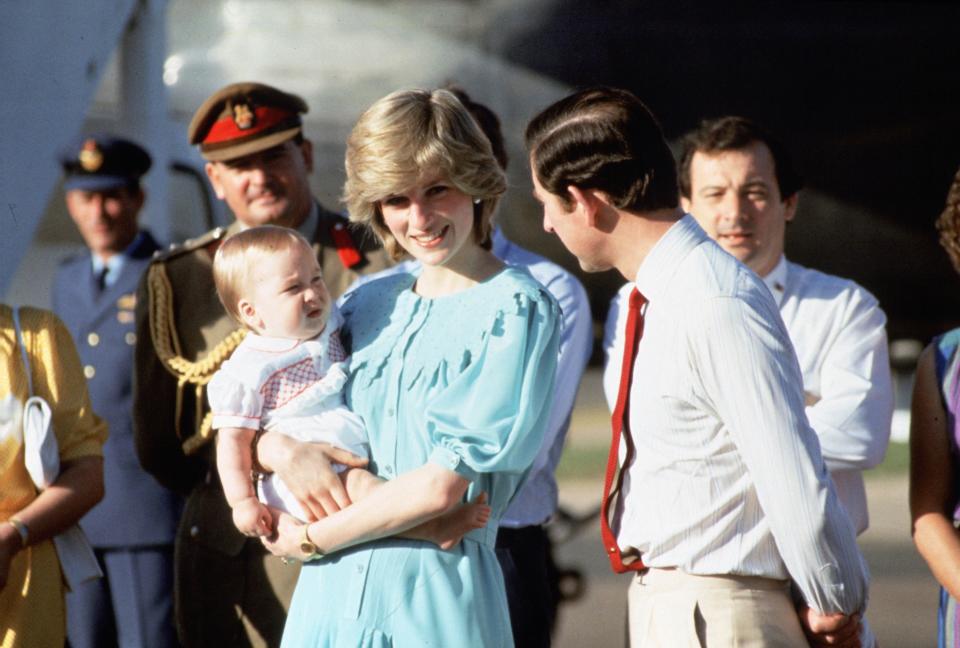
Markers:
669,608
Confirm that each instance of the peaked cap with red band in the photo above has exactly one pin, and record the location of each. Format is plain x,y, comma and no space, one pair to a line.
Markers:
245,118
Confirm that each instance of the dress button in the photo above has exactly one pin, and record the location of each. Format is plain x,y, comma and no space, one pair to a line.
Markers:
93,339
89,371
388,469
389,411
194,531
130,338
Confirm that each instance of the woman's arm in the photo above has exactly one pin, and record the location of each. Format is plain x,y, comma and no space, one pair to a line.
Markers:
305,469
393,507
931,478
77,489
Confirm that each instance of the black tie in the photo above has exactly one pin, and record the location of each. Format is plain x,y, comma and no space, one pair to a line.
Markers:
102,278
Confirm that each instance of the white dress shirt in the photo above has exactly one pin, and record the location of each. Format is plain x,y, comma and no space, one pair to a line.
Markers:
728,476
536,501
838,332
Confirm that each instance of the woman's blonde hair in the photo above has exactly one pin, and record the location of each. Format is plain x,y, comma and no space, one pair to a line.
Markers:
238,256
949,223
408,134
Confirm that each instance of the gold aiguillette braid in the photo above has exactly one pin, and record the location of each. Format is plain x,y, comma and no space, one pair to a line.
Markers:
163,332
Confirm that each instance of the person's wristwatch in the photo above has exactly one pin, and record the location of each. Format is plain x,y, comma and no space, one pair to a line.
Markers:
307,548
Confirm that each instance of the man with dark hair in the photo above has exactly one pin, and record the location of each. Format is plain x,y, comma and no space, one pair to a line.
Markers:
228,590
723,495
741,185
132,529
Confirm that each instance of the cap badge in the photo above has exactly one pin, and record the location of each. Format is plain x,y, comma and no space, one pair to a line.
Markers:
91,158
243,116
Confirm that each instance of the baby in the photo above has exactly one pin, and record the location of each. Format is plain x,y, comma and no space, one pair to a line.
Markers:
288,374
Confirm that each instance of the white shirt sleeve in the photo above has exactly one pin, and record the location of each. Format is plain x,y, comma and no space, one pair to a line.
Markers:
852,416
751,378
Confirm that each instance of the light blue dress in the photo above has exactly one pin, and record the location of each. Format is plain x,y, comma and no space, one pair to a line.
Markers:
464,381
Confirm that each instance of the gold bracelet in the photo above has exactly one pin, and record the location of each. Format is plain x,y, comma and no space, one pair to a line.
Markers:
22,531
307,548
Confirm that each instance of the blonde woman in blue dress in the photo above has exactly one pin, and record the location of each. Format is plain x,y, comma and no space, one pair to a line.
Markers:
452,371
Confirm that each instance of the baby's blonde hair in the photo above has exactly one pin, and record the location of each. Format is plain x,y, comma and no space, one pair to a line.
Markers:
237,257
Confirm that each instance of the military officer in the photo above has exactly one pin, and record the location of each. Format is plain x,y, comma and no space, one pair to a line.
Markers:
132,529
229,591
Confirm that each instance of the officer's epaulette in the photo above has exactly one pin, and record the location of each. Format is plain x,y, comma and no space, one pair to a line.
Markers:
176,249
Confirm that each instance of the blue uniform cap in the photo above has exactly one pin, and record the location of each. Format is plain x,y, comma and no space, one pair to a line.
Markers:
101,162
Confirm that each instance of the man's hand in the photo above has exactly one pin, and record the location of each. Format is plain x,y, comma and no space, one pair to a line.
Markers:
837,630
306,470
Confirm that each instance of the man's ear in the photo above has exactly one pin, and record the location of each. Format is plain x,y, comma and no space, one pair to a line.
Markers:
790,206
248,313
306,149
587,200
685,204
213,175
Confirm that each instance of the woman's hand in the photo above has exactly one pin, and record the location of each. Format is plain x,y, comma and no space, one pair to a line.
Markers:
307,471
286,537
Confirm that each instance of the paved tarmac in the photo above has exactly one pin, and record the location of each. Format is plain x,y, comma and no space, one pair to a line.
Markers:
903,594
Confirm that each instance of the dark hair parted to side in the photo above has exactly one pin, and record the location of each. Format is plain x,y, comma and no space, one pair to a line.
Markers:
734,133
604,139
948,224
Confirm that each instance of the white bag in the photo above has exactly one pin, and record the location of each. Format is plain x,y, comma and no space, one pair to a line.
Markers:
42,457
40,451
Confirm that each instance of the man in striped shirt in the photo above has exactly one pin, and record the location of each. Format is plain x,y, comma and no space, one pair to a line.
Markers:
727,498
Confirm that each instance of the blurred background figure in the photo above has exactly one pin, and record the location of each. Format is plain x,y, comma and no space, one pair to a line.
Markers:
31,585
741,185
934,443
133,528
228,589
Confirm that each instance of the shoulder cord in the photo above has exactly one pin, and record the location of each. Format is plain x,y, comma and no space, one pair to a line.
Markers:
167,346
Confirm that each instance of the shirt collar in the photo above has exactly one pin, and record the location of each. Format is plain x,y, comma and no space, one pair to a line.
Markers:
776,280
115,263
662,260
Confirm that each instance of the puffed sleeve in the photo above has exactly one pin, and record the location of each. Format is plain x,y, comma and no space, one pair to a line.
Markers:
492,416
234,404
58,378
